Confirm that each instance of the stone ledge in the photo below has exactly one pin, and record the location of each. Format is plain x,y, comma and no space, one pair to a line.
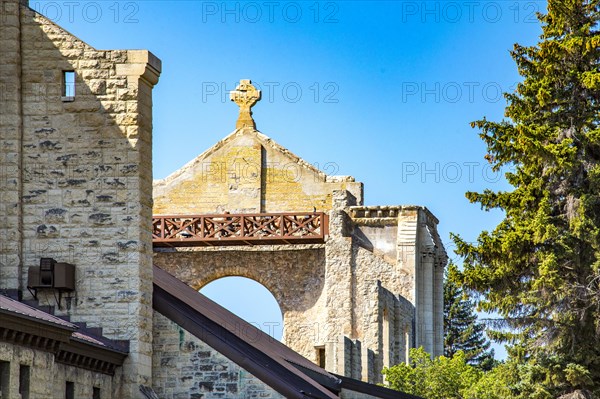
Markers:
143,64
255,248
376,221
357,213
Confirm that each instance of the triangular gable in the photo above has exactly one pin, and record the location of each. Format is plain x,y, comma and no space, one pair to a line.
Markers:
247,172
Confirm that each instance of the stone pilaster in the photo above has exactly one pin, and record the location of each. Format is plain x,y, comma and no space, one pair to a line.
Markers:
11,134
142,71
425,314
438,305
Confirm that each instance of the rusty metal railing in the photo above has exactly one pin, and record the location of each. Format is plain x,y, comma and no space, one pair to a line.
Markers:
239,229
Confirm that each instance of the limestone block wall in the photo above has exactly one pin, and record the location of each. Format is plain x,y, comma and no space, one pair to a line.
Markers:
348,394
364,308
248,172
364,295
384,287
76,177
47,379
295,275
417,273
11,131
185,367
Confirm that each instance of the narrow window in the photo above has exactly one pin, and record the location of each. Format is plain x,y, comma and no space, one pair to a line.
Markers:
24,381
96,393
70,390
320,356
68,93
4,379
407,340
386,344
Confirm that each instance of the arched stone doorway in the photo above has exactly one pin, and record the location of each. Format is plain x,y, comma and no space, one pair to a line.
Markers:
295,277
249,300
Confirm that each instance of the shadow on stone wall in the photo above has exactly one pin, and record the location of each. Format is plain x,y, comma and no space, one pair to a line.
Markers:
295,278
87,179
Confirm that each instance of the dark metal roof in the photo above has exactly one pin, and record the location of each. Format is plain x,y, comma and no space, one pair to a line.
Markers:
22,324
10,305
100,341
373,390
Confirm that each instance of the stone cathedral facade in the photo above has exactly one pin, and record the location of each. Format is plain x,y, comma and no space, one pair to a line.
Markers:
92,296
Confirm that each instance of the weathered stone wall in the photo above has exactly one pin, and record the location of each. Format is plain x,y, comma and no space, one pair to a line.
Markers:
379,238
76,176
248,172
417,274
295,275
48,379
373,288
364,306
348,394
11,130
340,296
187,368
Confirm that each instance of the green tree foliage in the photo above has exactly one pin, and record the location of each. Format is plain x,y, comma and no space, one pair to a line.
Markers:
453,378
462,331
448,378
539,268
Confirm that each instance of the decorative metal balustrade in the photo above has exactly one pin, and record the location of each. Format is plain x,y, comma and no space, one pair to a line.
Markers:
239,229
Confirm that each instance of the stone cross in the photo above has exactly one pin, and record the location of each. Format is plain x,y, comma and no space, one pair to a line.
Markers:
245,96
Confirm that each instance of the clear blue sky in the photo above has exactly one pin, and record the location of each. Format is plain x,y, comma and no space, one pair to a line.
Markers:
383,91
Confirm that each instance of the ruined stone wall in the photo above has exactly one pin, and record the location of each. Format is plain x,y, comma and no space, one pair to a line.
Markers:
417,273
185,367
76,177
351,297
364,308
247,173
47,379
295,275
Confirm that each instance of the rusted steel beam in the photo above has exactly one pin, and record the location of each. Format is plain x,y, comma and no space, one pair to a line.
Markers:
239,229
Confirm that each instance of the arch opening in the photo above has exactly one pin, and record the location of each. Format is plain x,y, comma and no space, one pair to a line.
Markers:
249,300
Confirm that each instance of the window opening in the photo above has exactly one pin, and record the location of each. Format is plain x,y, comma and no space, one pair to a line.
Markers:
24,372
386,339
70,390
320,356
4,379
68,93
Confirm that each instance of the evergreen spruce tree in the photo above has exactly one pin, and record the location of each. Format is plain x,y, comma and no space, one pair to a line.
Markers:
540,267
462,331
